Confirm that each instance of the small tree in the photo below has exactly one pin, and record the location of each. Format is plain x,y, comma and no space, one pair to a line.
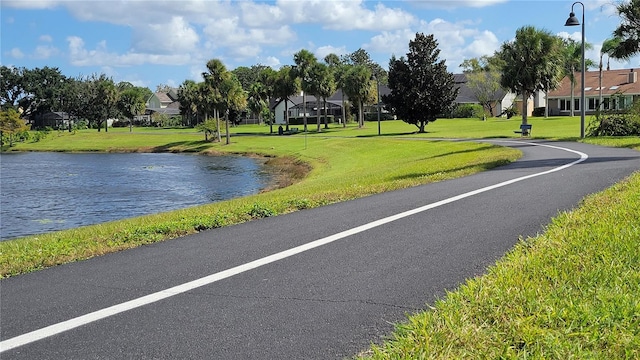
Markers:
421,87
11,125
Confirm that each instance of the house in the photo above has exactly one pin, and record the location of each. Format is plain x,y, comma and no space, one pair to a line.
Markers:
165,103
296,108
617,88
502,99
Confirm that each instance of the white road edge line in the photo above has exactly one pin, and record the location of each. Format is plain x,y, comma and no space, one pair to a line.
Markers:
61,327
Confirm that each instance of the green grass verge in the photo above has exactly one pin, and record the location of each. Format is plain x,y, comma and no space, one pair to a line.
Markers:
570,293
342,169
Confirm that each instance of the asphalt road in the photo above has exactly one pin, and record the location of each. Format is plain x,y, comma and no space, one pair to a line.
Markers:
316,284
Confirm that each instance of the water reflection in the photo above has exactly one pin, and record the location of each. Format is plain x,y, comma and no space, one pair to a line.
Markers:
43,192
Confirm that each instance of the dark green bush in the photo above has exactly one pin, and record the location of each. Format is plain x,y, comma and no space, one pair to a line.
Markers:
468,111
616,123
539,111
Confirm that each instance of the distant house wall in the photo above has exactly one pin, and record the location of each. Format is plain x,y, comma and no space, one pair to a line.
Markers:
619,89
154,102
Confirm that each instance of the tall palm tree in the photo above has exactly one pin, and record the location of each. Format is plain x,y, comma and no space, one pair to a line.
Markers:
323,87
188,97
285,85
572,60
233,98
357,83
533,61
628,32
304,60
608,47
216,75
339,70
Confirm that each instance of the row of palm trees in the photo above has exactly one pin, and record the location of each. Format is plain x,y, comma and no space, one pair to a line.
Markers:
220,94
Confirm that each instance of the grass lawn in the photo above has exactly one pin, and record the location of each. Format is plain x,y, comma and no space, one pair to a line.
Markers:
572,292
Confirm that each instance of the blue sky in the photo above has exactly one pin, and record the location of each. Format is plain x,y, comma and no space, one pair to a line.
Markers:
150,42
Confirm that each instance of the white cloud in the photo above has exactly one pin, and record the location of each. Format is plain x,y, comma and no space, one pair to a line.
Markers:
45,38
272,61
100,56
455,4
30,4
323,51
392,42
228,33
174,37
16,53
345,15
261,15
45,52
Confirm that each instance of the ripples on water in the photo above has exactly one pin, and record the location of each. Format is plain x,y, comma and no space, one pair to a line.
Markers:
43,192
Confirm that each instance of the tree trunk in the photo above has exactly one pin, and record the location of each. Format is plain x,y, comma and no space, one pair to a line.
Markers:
318,107
360,121
217,117
525,98
286,114
326,126
226,126
304,110
421,126
344,113
573,84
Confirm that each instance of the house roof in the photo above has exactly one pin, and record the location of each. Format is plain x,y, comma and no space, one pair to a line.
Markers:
613,82
164,97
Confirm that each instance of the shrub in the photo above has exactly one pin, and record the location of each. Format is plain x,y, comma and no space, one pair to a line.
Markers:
616,124
468,111
512,111
539,111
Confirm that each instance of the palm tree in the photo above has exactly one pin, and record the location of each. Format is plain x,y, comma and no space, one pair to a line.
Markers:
533,61
233,98
322,86
216,75
267,78
572,56
339,70
257,99
304,60
357,85
608,47
628,32
286,84
188,97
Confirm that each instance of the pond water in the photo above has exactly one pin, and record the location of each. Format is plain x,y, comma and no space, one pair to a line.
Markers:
44,192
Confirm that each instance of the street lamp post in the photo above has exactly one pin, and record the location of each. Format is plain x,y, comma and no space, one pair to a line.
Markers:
573,21
378,91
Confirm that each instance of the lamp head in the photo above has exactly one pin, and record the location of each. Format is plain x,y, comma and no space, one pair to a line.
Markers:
572,20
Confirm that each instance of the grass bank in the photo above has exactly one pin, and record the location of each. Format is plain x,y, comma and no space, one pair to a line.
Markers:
570,293
341,168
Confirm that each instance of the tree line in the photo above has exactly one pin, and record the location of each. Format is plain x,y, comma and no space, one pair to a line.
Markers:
421,88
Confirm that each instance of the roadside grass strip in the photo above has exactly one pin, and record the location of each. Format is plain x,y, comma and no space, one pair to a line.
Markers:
570,293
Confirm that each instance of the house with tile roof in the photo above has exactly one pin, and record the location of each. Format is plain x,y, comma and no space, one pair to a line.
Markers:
618,89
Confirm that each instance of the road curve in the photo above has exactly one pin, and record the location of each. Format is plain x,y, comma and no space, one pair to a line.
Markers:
316,284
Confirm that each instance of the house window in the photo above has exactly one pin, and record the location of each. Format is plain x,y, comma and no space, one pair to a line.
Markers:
593,103
576,104
565,105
